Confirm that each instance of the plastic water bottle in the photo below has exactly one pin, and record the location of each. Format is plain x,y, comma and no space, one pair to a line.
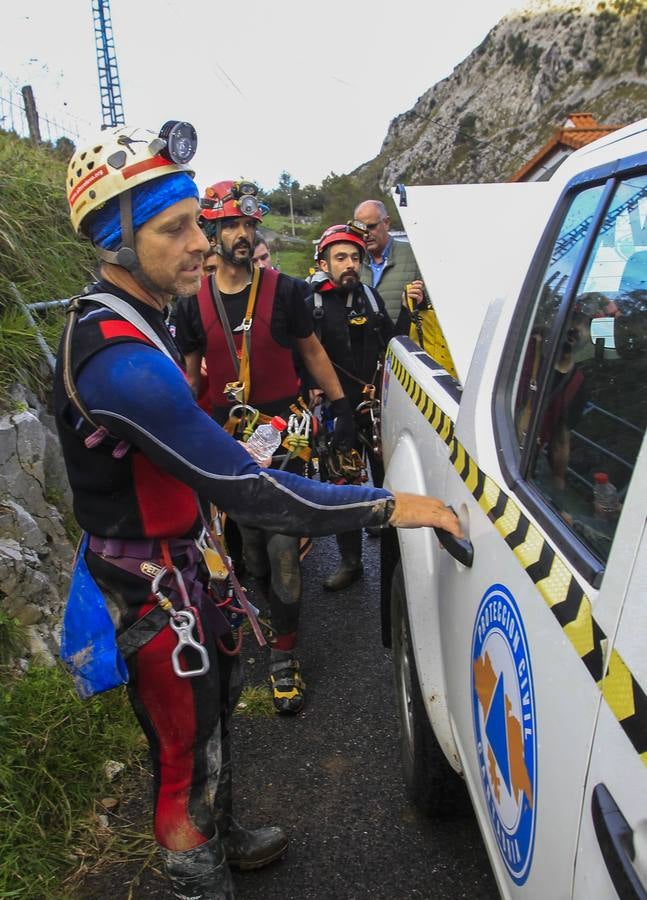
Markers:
266,439
606,503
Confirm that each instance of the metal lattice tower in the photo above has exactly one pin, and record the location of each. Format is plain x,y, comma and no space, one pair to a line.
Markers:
112,110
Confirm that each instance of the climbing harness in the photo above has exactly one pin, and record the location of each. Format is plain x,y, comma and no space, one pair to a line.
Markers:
237,391
353,317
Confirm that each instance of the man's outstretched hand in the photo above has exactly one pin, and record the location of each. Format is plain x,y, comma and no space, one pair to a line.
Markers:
416,511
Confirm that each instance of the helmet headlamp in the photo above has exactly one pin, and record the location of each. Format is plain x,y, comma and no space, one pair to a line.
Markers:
240,188
248,205
181,141
228,199
245,194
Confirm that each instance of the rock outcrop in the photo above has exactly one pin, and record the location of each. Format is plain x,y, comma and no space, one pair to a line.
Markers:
35,551
537,66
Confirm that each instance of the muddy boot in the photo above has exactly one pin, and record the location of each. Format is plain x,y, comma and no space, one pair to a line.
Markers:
288,687
245,848
350,568
199,874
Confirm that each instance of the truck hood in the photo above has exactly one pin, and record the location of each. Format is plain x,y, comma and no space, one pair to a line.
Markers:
473,244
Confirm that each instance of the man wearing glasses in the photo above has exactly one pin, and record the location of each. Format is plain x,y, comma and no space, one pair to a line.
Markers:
391,266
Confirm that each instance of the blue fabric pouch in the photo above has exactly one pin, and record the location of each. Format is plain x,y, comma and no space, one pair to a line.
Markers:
88,639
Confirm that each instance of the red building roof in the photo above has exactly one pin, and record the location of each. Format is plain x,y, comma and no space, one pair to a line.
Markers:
578,130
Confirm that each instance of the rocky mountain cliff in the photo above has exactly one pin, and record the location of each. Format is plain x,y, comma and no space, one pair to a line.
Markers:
498,107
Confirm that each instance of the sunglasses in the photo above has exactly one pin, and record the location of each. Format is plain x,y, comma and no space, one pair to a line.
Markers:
371,226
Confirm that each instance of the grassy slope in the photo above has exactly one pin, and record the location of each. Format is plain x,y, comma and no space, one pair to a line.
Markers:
38,252
52,746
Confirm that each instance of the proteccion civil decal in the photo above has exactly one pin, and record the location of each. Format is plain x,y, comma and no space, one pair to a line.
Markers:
503,706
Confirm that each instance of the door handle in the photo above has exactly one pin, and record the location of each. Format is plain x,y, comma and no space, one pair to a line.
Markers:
460,548
616,839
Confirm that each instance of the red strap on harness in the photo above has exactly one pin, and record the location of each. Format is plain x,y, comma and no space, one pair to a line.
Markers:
166,555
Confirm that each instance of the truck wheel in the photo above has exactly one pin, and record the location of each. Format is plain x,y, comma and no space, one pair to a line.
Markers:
432,786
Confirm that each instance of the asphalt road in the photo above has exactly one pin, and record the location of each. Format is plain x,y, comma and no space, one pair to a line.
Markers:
331,776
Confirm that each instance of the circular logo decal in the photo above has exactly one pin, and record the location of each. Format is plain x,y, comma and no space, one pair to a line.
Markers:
503,706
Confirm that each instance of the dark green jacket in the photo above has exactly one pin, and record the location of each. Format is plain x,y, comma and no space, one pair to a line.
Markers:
400,269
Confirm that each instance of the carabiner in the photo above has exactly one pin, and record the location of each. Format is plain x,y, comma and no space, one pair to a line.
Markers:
183,623
248,416
156,589
155,586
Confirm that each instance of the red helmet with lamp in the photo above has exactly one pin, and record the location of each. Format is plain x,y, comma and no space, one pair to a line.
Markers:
350,233
226,199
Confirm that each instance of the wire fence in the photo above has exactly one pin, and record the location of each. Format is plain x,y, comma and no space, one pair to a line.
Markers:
13,116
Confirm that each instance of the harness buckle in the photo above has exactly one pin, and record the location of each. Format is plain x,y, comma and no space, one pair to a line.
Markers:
234,391
246,324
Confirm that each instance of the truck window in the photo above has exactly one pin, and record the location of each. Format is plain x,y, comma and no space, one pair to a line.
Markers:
589,427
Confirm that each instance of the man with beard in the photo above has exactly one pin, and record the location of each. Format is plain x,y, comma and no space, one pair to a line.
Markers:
354,328
248,322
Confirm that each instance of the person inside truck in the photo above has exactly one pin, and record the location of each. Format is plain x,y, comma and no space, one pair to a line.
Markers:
568,396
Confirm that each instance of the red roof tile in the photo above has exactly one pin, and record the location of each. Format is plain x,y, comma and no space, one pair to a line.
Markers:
583,130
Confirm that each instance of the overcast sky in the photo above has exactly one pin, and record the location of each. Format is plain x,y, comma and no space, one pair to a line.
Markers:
286,85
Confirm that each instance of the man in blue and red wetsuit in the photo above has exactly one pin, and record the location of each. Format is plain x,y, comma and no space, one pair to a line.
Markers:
139,453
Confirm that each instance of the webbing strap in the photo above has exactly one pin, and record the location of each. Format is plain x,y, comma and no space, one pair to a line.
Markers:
371,299
142,631
224,321
245,356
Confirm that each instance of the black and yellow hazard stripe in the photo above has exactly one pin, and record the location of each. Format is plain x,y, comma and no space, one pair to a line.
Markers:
546,569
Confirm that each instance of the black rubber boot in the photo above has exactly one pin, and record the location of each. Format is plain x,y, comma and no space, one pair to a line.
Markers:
245,848
350,568
199,874
253,848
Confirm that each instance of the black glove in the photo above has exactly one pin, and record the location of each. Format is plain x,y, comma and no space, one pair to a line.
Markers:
343,436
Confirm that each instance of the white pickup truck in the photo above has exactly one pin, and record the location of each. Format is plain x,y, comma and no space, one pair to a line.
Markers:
521,652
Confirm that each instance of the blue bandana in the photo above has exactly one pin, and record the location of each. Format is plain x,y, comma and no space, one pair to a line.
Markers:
147,200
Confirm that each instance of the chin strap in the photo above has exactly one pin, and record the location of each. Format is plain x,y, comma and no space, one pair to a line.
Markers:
125,256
